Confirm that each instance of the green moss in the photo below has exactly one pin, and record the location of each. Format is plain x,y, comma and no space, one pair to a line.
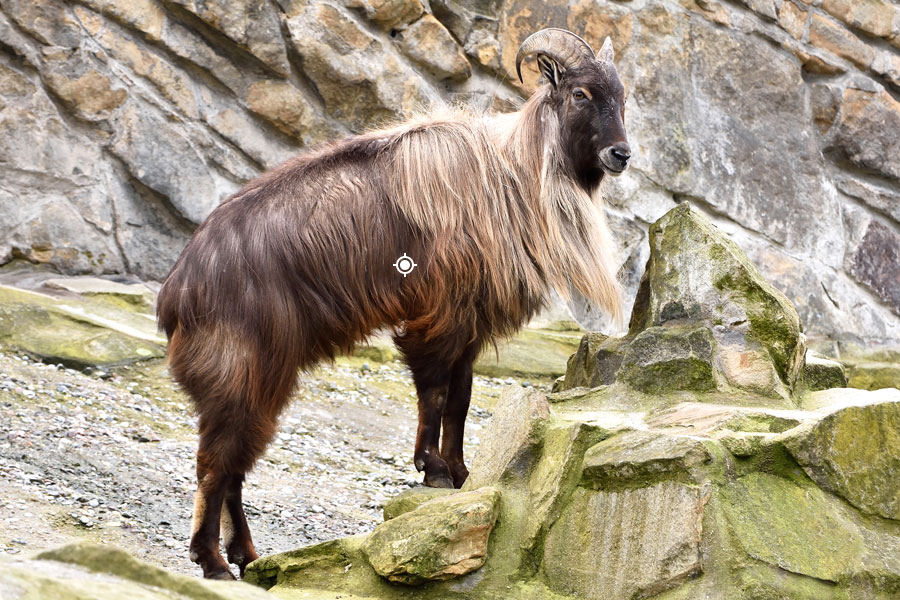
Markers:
111,561
766,312
677,374
797,528
412,499
531,353
74,332
873,375
772,458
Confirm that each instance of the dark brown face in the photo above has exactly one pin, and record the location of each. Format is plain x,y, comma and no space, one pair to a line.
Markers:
590,103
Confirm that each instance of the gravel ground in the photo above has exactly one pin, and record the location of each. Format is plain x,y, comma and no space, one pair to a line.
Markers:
109,457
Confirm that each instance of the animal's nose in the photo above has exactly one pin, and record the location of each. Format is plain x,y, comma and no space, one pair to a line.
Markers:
621,152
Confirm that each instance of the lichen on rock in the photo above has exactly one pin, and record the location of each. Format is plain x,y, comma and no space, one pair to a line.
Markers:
704,320
441,539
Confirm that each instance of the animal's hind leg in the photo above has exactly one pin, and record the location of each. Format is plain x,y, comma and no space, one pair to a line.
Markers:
230,443
454,417
212,484
235,531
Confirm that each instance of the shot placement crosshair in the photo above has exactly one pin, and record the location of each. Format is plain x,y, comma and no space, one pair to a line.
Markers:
405,265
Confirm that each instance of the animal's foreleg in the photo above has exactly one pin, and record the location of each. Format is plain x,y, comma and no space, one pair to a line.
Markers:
431,385
454,418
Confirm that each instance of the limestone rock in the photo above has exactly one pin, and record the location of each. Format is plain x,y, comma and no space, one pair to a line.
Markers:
801,530
167,161
389,14
428,43
328,564
830,36
513,438
253,26
82,570
874,17
641,456
863,132
90,93
75,332
821,373
704,319
696,273
289,110
876,263
855,451
873,375
538,352
669,358
362,82
412,499
146,16
691,501
173,83
554,475
444,538
626,544
136,295
48,20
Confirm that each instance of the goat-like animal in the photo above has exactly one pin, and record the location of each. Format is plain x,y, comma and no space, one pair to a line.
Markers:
298,266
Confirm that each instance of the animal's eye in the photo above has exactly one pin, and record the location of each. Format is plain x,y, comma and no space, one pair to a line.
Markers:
578,94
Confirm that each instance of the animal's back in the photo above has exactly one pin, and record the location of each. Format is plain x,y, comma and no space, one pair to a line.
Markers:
278,277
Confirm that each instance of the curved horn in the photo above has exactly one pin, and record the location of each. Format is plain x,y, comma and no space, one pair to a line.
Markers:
563,46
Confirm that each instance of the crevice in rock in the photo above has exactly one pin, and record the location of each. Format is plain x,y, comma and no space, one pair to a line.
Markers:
217,40
300,79
827,295
158,202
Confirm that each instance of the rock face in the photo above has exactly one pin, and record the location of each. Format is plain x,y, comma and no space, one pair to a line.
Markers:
693,501
704,319
122,124
692,487
854,452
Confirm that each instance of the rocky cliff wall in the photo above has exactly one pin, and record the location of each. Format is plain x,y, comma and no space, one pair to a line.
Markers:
124,122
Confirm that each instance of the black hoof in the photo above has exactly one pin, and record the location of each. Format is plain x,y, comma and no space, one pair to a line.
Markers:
439,481
221,576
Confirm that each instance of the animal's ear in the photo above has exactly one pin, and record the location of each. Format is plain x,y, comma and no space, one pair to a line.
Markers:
606,53
550,69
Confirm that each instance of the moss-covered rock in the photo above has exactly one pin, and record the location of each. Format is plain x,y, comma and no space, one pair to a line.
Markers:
443,538
661,359
625,544
512,443
134,295
822,373
704,320
797,528
87,571
873,375
855,451
412,499
694,500
639,457
76,331
533,352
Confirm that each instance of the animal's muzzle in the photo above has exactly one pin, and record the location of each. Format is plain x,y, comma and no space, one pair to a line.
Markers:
615,158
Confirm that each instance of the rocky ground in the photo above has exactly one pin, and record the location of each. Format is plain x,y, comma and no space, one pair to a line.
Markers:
109,456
